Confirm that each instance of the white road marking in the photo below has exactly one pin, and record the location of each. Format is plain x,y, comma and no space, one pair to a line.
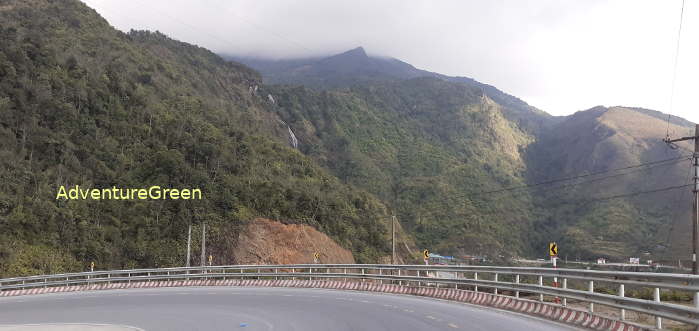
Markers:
453,326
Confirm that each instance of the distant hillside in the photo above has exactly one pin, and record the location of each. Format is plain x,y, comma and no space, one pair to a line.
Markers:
599,140
529,146
355,68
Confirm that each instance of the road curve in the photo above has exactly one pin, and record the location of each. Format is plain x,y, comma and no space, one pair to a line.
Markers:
248,309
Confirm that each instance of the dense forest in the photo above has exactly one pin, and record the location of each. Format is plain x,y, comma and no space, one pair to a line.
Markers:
429,148
84,104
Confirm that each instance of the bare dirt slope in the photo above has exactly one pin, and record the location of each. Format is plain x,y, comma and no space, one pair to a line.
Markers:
265,241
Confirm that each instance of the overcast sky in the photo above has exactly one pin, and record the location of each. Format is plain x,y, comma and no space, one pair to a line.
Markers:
560,56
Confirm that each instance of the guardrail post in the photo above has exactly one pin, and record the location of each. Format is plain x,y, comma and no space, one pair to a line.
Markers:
129,281
565,285
363,273
495,291
591,289
475,277
400,282
516,282
276,271
622,313
658,320
344,270
541,283
380,274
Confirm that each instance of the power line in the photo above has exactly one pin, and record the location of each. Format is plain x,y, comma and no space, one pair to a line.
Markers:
616,175
649,165
669,188
674,70
612,197
585,175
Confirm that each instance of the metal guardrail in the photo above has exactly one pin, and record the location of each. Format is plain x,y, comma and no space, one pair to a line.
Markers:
515,281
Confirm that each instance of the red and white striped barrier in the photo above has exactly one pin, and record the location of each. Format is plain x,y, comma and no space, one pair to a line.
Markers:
556,313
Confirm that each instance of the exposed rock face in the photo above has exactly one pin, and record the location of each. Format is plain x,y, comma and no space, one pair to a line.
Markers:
265,241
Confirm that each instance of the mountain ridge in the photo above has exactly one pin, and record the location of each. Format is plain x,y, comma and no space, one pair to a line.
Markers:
341,71
589,141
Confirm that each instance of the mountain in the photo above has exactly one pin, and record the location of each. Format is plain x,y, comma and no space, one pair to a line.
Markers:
343,144
425,146
355,68
597,141
84,104
400,110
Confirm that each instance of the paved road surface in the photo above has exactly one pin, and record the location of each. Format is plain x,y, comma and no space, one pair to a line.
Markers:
249,309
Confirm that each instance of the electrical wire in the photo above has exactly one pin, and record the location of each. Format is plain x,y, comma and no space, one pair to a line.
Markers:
552,181
633,194
647,166
674,70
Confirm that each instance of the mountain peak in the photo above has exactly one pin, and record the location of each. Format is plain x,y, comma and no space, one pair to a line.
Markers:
358,52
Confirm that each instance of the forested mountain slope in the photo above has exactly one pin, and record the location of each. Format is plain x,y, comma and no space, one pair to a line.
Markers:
84,104
597,141
393,110
426,146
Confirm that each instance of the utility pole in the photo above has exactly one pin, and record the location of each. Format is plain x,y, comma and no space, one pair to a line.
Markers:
393,239
189,243
695,189
203,244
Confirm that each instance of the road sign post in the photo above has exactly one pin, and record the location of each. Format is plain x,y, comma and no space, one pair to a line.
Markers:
316,257
426,256
553,252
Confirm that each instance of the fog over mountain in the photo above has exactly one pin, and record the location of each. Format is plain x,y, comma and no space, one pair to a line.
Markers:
560,56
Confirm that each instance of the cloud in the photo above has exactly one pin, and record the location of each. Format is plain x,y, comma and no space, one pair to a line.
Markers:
561,56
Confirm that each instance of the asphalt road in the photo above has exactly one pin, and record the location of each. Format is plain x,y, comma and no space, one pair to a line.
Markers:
248,309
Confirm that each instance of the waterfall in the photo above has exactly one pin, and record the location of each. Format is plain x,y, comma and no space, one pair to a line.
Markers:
292,138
